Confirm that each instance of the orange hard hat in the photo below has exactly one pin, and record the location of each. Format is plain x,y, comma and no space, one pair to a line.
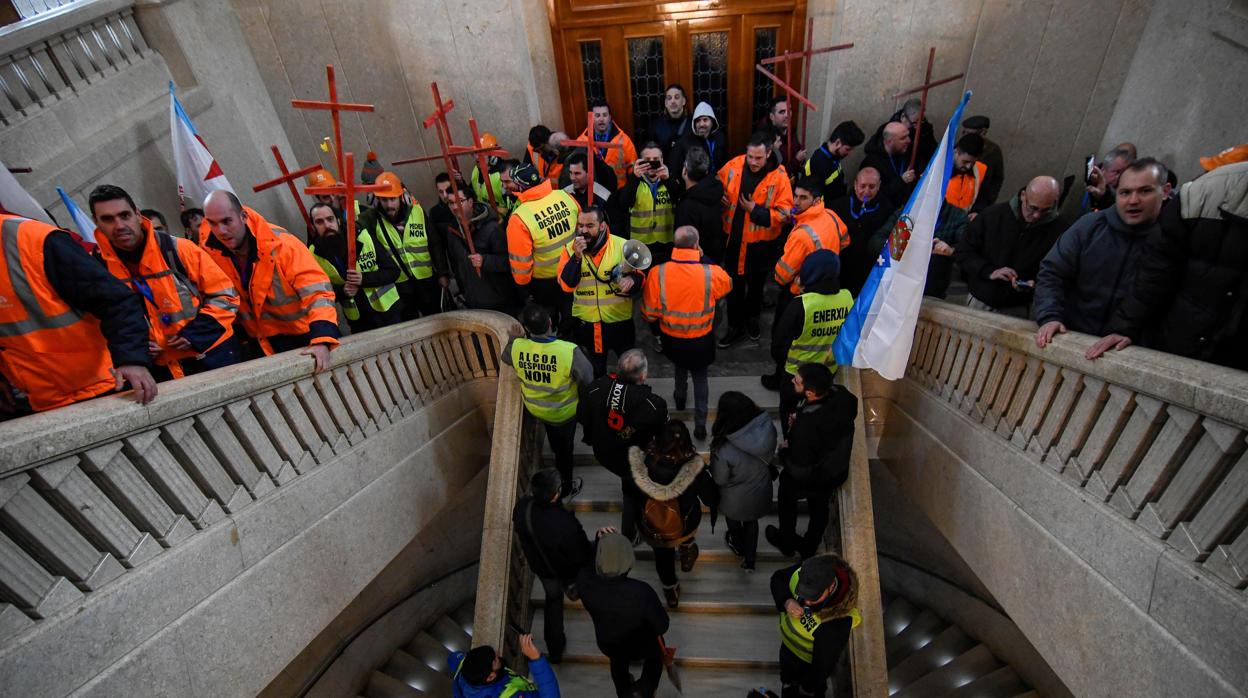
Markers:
489,140
393,187
321,178
1229,156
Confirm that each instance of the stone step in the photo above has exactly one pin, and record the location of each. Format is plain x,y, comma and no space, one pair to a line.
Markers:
463,616
429,650
739,641
452,636
898,613
382,686
711,545
1002,683
917,634
975,662
584,679
417,674
950,643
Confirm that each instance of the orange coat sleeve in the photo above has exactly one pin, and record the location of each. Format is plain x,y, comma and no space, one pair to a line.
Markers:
721,283
651,310
795,250
520,250
842,231
220,298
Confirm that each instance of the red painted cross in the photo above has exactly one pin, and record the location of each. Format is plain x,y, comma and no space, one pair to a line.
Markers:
348,189
288,178
590,145
927,85
334,107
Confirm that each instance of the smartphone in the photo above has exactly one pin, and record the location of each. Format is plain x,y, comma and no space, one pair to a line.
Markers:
1026,284
1087,168
515,627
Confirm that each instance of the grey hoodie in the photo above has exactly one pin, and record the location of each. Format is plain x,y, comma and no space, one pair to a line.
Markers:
741,469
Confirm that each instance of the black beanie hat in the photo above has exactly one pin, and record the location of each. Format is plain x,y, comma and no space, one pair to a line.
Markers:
478,665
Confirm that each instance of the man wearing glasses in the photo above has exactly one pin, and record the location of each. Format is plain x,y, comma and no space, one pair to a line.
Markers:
1001,251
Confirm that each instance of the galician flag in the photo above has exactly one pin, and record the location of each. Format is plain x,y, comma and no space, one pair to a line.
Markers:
198,171
16,200
83,222
880,328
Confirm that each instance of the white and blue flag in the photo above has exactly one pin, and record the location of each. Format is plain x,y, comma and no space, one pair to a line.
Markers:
198,171
83,222
879,331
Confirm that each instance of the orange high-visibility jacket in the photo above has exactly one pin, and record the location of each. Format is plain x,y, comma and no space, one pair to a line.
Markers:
680,295
774,193
181,290
963,189
520,240
816,228
536,159
48,350
620,159
287,291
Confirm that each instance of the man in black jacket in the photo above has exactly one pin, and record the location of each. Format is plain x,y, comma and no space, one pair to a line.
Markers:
815,457
556,548
706,135
1001,251
1092,267
484,275
891,158
702,205
1192,285
864,210
907,116
619,411
628,617
825,163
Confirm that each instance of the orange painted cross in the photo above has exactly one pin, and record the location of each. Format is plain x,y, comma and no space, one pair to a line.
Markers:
590,145
927,85
288,178
348,189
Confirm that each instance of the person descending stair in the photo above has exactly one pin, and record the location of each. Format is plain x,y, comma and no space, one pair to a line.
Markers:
673,478
743,441
817,601
479,673
815,458
628,617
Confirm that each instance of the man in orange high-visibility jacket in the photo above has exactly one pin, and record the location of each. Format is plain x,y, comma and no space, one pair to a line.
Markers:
286,300
966,182
757,202
605,131
543,222
190,302
69,331
678,300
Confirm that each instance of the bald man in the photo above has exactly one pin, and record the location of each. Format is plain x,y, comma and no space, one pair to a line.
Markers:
1002,249
863,210
892,161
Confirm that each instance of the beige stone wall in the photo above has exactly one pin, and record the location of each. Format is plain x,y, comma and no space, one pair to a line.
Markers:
493,57
1047,72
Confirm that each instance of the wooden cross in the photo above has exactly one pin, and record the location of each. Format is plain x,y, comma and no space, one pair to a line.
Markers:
288,178
334,107
347,188
784,59
927,85
590,146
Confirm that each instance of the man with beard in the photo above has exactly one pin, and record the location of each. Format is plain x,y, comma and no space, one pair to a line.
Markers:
791,155
578,178
375,273
397,223
966,181
862,211
484,275
620,160
757,200
650,198
907,116
825,164
668,127
706,135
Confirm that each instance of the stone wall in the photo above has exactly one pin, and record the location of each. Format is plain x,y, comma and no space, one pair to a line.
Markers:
492,57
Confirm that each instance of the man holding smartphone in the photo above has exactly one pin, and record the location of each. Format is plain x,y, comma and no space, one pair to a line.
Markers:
650,197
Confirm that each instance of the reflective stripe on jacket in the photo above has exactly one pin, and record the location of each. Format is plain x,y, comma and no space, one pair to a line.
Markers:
681,294
963,189
816,228
774,193
181,289
381,298
824,313
620,159
545,372
411,246
799,635
594,298
287,290
541,225
48,350
653,218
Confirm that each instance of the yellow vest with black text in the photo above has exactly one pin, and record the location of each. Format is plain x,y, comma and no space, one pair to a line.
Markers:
594,300
652,218
545,372
551,221
411,245
825,313
799,635
381,298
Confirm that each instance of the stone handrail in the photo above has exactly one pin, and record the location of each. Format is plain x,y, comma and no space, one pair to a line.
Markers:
1159,438
46,58
93,490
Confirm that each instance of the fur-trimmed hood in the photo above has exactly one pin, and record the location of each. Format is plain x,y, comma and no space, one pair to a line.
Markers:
684,479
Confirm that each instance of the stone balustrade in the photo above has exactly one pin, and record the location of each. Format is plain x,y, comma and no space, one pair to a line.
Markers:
1158,438
47,58
92,491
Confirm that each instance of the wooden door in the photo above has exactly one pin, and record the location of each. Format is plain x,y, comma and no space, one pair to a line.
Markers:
628,51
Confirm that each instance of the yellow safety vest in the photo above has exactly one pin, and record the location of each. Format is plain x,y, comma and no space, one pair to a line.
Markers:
652,219
515,683
594,300
545,372
412,245
381,298
551,221
799,635
825,313
505,201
